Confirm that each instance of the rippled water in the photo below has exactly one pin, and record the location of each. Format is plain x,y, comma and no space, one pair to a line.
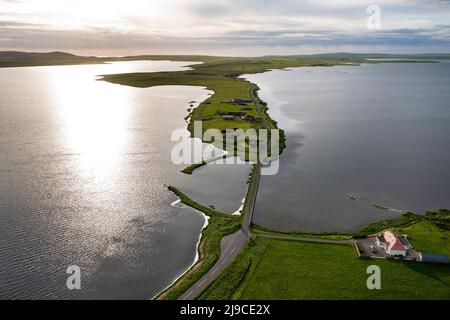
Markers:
380,132
84,169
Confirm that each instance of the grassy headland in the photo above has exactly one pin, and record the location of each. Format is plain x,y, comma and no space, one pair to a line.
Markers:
189,169
440,219
309,234
221,75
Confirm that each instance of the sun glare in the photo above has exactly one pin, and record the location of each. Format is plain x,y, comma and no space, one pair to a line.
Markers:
94,115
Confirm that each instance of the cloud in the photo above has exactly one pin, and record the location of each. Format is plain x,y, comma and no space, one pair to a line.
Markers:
233,24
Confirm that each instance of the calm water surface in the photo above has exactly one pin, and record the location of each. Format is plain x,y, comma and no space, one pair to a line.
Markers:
380,132
84,166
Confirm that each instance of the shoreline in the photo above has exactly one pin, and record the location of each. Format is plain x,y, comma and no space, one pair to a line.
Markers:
192,106
197,253
219,225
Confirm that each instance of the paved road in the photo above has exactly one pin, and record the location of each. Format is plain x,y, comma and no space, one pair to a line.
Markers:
230,245
305,239
258,108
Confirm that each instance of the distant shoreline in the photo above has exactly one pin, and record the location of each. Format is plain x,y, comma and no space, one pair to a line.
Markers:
34,59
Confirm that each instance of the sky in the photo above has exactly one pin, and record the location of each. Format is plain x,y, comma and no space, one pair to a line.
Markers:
225,27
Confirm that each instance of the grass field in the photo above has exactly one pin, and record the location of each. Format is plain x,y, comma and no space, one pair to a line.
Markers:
298,270
425,236
229,284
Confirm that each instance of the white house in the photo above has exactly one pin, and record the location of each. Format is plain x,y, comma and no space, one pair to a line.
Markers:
392,244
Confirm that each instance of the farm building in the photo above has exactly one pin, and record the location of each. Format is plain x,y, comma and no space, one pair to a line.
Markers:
228,117
240,101
393,245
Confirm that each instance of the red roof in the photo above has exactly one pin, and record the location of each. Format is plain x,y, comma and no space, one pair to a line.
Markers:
397,246
393,243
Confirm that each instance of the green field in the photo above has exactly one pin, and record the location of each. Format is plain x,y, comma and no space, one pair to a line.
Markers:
425,236
277,269
299,270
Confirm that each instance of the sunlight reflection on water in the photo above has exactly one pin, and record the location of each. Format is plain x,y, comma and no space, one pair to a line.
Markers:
84,170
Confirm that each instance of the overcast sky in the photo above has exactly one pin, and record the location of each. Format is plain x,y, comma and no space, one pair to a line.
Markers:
232,27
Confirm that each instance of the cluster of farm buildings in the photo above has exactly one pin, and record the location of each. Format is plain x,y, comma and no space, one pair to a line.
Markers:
389,245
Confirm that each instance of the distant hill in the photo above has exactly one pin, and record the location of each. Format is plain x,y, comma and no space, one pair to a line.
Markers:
22,59
27,55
